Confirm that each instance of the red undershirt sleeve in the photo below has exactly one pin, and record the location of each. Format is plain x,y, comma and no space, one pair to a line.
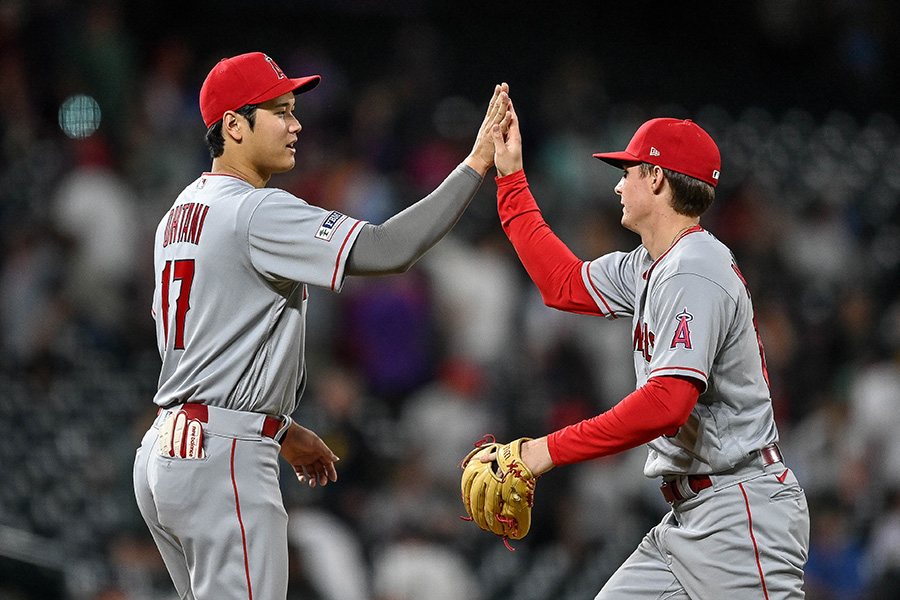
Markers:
555,270
659,407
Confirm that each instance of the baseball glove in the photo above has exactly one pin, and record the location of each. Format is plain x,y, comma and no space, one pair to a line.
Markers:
498,495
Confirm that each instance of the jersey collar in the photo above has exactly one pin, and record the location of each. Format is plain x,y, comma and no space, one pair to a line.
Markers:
693,229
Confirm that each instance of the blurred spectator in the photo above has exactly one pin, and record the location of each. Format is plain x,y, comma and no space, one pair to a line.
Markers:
874,395
331,555
835,567
386,332
883,552
443,420
475,290
95,210
355,425
164,137
414,568
33,310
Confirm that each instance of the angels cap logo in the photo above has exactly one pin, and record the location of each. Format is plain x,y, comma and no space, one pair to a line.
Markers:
683,332
278,70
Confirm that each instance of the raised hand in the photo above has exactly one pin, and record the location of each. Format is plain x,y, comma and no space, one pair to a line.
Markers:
482,156
508,144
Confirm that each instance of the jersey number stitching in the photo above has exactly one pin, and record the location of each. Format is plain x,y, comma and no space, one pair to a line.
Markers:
184,271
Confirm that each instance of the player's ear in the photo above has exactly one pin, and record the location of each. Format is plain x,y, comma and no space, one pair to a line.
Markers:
657,177
231,126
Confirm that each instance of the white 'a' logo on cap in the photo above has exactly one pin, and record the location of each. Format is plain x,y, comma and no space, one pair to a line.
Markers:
654,151
278,70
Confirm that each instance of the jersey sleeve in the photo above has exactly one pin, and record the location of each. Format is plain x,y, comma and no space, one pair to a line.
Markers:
657,408
611,281
292,240
692,316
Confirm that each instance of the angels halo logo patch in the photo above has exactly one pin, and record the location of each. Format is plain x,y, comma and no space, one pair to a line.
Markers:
683,332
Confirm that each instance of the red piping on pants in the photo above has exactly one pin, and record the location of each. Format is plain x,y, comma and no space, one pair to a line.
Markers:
762,577
237,506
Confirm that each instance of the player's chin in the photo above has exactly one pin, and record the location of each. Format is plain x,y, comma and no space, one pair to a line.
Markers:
628,224
285,164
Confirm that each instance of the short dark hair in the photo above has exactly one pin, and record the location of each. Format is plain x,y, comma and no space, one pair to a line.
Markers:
215,141
690,196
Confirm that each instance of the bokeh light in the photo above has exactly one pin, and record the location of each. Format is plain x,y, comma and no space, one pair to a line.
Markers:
79,116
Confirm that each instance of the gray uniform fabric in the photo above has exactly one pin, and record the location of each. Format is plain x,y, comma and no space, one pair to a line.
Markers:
747,535
230,301
692,316
219,522
745,538
233,332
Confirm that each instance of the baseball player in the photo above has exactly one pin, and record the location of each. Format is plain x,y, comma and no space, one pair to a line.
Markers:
739,523
233,261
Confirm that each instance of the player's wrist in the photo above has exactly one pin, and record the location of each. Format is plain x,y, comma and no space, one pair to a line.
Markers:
478,164
536,456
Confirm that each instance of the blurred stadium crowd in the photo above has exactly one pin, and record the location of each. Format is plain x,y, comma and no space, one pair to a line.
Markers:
407,372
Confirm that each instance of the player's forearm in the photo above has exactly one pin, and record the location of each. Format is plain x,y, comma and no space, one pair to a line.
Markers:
555,270
657,408
395,245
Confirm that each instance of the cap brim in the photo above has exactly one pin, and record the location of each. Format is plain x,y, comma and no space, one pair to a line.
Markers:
304,84
617,158
286,86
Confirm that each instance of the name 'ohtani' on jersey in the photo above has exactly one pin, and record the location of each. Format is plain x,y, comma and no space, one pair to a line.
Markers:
185,223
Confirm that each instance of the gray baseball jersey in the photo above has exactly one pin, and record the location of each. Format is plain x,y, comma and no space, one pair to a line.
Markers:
276,244
232,267
692,316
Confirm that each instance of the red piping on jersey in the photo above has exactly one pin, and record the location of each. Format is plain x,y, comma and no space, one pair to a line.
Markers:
599,295
693,229
762,578
227,175
697,371
337,263
237,506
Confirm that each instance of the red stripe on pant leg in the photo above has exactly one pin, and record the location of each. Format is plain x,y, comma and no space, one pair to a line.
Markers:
762,578
237,505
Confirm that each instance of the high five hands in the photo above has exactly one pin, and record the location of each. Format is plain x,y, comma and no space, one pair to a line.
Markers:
507,143
497,117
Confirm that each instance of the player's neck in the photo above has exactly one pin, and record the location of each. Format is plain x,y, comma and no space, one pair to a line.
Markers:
223,166
661,238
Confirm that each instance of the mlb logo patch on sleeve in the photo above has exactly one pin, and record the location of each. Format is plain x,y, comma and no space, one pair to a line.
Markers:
330,225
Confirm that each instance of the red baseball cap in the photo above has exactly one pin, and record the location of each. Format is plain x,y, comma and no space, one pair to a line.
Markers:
675,144
251,78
